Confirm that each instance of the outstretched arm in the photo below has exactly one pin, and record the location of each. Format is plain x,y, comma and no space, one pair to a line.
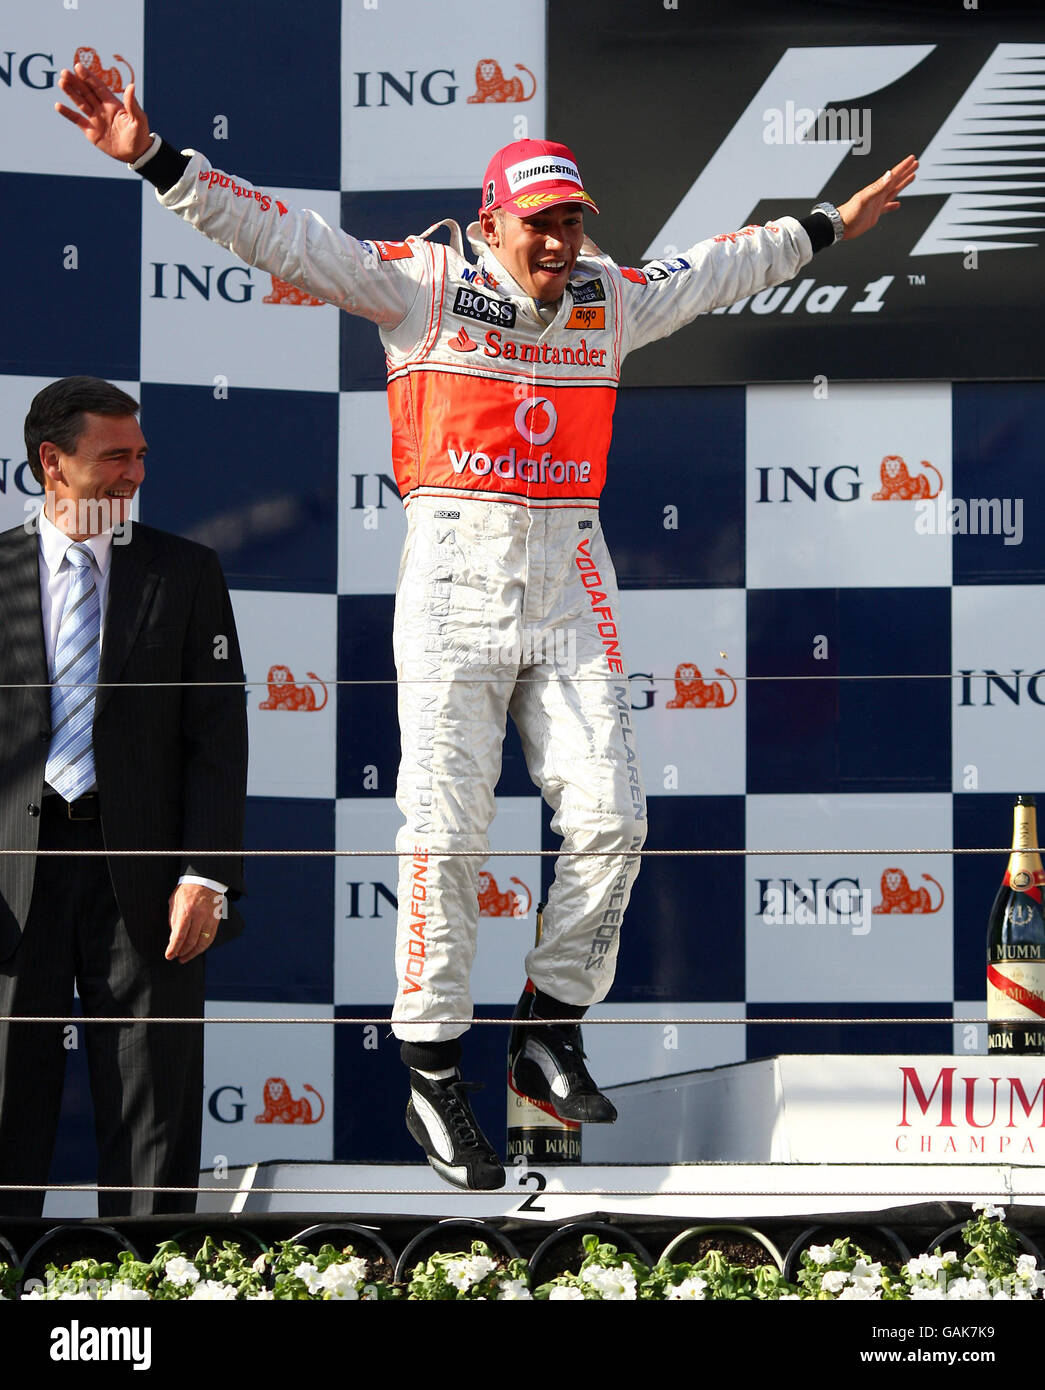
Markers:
863,209
119,129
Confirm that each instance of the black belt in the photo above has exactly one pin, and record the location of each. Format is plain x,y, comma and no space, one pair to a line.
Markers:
83,808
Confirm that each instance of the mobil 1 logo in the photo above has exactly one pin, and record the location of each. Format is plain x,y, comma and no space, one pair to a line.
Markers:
487,308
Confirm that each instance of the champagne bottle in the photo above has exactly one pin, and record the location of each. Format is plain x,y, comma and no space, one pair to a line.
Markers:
1016,945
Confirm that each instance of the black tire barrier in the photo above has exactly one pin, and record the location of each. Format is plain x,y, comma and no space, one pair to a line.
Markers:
449,1236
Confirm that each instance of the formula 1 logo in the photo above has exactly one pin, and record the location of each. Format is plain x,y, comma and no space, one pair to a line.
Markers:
492,85
983,182
536,419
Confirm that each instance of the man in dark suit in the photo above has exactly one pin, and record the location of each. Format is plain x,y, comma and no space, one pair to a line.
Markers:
122,727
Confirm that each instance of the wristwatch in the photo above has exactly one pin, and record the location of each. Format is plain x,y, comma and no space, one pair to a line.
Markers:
833,216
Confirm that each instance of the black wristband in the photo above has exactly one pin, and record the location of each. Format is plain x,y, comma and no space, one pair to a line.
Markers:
817,224
165,168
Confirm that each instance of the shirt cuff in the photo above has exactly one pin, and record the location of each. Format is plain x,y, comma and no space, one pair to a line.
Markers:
207,882
819,229
164,167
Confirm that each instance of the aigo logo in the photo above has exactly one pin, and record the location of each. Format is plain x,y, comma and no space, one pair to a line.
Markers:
532,411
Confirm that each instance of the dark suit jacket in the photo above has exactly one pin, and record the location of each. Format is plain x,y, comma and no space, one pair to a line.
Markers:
170,759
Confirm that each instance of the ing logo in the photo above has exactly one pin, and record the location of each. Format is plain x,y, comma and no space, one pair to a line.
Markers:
899,896
492,85
899,485
285,694
111,77
283,292
494,903
280,1107
693,692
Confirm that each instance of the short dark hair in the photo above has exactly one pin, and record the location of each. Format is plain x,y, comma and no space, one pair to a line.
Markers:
57,412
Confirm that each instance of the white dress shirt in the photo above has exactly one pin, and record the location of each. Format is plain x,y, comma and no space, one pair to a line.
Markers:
54,587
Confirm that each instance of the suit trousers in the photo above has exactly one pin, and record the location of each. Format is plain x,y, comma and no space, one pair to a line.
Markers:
146,1081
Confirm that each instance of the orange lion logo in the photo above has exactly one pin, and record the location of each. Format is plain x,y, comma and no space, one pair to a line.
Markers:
494,903
693,692
899,896
282,1109
899,486
285,293
492,85
284,694
112,77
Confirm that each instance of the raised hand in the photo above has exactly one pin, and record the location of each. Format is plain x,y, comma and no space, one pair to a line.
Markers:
118,128
863,209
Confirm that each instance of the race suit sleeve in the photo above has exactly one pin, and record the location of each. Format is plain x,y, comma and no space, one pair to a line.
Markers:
376,279
665,295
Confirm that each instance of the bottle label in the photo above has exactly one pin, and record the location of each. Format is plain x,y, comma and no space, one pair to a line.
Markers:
1024,878
526,1114
1016,989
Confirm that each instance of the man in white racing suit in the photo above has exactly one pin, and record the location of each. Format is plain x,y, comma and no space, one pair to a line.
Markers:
502,380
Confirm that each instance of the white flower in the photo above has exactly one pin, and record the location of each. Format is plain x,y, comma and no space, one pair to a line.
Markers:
179,1271
989,1210
511,1289
265,1296
479,1266
568,1291
790,1298
121,1291
261,1263
862,1289
458,1275
339,1282
967,1289
927,1293
835,1280
693,1287
611,1282
863,1270
343,1280
821,1254
309,1276
211,1291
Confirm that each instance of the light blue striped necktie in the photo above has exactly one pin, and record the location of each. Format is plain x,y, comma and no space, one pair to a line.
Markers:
70,765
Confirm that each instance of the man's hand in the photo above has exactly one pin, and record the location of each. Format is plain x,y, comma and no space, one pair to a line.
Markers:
863,209
195,911
119,129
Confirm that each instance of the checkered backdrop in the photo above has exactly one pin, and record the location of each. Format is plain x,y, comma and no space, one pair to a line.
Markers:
748,541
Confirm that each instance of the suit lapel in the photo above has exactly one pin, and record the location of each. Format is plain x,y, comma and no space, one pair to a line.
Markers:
22,616
131,587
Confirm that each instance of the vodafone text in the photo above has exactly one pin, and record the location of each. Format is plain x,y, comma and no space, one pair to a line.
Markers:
415,965
543,470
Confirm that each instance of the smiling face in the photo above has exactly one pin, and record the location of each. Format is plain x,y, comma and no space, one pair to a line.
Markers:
90,489
539,251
